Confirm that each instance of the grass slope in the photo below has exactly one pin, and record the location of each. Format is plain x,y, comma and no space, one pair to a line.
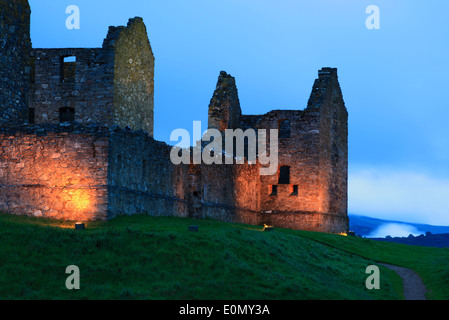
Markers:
142,257
431,264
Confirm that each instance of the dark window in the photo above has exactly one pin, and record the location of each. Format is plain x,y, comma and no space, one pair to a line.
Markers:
68,69
294,191
66,114
284,128
284,175
274,190
31,115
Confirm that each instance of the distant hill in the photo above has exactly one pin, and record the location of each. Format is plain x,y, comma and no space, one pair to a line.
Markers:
429,240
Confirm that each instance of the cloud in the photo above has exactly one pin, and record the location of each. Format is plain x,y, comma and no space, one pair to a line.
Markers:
399,195
394,230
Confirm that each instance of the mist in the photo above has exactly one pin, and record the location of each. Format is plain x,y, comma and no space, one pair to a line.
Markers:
395,230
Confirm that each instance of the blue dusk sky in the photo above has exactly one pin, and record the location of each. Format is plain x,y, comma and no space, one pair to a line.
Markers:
394,79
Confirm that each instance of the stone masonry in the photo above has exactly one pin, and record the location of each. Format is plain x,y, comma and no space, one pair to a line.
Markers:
112,85
76,140
15,47
310,189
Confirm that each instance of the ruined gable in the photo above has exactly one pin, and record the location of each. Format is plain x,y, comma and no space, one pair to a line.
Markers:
224,107
133,76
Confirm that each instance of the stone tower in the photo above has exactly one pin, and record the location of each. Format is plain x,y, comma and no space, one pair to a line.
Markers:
15,47
327,99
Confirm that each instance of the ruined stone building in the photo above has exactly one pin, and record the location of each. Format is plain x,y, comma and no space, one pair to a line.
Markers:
76,140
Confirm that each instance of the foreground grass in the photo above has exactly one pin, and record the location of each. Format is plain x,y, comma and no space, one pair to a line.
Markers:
143,257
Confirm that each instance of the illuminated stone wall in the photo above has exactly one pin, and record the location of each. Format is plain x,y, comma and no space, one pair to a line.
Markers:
88,172
309,190
328,99
54,172
309,221
225,192
300,152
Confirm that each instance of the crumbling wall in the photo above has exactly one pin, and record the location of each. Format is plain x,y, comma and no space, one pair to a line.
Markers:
85,85
112,85
55,172
316,152
143,180
298,150
15,67
224,107
309,190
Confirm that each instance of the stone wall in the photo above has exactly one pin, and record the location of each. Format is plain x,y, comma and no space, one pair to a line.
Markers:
228,192
112,85
15,46
133,75
88,172
224,107
142,179
309,221
87,87
55,172
333,139
247,196
309,190
298,150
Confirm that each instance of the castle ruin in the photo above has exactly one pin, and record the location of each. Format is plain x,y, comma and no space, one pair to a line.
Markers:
76,140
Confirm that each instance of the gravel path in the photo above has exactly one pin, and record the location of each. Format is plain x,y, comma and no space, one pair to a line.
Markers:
414,288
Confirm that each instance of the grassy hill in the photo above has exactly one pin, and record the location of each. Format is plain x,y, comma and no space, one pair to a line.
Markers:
142,257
